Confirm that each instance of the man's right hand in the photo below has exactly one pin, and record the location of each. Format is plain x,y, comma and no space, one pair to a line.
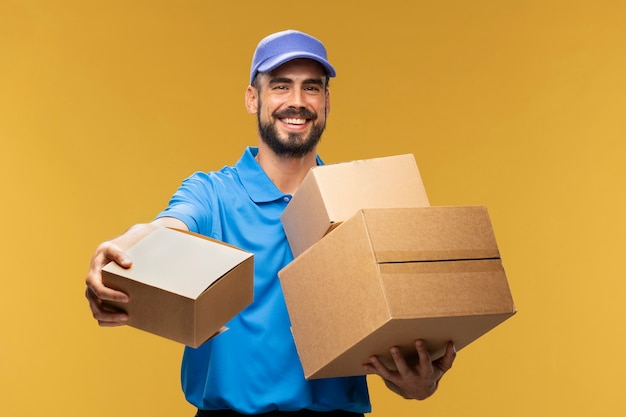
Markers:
114,250
97,293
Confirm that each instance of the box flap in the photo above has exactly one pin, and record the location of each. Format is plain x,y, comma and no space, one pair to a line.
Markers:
430,233
223,301
179,262
446,288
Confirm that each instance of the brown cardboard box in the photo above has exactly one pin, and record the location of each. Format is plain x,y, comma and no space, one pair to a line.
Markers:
182,286
387,277
330,194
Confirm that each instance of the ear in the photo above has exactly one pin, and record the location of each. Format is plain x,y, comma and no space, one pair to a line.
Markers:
252,102
327,102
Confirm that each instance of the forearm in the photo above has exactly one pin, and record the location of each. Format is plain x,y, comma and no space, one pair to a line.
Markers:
137,232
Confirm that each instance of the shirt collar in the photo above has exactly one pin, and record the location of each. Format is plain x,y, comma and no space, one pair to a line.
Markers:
256,182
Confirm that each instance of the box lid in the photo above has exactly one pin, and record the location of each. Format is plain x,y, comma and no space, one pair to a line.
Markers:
179,262
430,233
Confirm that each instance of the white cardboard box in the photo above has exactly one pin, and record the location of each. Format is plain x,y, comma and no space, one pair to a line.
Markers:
182,286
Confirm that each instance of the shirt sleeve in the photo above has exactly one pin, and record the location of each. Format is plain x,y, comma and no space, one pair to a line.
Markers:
193,204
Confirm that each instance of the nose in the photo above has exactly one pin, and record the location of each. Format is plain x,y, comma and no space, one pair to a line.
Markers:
296,98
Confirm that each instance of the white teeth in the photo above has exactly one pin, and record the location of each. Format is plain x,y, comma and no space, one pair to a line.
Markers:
295,121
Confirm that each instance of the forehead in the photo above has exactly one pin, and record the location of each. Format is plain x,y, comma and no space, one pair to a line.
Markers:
299,68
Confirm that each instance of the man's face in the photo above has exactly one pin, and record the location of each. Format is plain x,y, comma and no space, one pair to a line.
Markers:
292,107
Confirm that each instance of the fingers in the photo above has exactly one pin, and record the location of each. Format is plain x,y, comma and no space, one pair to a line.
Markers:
445,363
402,366
424,365
425,361
97,293
398,359
417,380
107,252
101,292
377,367
106,316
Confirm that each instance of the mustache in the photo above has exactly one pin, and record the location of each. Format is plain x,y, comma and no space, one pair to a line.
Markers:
295,113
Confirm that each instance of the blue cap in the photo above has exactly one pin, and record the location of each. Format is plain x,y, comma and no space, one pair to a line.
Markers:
280,47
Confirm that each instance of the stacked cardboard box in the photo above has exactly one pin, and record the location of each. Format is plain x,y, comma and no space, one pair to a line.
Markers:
386,276
330,194
182,286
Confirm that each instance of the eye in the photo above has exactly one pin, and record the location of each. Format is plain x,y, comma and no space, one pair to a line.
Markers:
312,89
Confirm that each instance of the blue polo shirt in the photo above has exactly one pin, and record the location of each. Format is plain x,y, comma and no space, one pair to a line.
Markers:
253,367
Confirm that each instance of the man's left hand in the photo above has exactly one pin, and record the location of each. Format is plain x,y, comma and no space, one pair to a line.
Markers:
417,381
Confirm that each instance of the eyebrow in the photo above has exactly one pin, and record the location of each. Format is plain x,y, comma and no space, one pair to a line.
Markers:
285,80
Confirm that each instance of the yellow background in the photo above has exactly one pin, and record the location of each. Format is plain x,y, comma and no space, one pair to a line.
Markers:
105,106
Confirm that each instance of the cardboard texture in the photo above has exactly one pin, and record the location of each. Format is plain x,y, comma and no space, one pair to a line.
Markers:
387,277
182,286
330,194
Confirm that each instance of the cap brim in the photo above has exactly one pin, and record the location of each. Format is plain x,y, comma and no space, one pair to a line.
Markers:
279,60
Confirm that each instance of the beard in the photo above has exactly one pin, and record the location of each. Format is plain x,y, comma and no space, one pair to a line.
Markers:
296,146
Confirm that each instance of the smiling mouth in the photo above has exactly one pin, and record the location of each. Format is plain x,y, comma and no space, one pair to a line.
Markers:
294,121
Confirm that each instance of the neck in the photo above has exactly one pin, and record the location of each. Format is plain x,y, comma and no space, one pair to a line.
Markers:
285,172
